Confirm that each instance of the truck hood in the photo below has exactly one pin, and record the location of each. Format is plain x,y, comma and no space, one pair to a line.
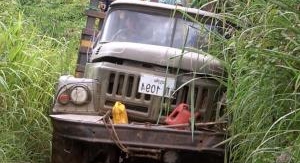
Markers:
159,55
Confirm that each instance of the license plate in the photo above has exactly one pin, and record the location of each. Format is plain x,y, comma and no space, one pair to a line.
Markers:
155,85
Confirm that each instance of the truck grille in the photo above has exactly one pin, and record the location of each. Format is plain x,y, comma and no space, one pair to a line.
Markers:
121,86
184,96
125,85
204,97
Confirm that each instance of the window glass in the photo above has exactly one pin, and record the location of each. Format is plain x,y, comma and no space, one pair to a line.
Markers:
190,34
130,26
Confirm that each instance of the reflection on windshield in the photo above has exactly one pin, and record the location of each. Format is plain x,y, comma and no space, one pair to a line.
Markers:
189,34
129,26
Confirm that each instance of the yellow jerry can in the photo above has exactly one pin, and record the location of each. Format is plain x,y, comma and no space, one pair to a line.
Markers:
119,113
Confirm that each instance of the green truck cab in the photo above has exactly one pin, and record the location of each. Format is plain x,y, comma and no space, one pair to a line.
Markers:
146,56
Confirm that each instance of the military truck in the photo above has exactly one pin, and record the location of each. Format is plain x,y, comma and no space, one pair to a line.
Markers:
150,57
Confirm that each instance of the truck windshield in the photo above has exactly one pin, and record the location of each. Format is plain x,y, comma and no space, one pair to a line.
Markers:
131,26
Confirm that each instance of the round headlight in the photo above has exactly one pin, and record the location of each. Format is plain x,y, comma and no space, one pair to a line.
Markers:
63,98
79,95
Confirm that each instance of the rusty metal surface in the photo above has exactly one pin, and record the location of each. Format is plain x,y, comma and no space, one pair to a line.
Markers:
144,136
145,153
64,150
78,118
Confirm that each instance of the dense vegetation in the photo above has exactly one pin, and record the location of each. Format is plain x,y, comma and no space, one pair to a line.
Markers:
38,39
263,96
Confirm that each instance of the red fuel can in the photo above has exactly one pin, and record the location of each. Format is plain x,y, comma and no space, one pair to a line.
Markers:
180,115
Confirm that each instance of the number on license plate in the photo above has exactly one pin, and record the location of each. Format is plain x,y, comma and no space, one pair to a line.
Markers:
155,85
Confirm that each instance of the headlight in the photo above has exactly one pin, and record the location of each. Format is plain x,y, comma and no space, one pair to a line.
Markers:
63,98
79,95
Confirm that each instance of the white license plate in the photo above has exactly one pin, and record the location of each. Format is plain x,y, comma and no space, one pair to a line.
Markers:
155,85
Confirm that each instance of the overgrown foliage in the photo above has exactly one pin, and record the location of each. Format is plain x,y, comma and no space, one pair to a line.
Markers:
31,59
262,59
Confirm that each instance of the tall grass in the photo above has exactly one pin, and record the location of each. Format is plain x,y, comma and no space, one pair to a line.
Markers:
30,64
28,73
262,59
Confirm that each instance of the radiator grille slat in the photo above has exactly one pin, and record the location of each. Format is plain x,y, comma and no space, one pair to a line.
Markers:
179,96
134,88
120,84
130,86
142,97
125,85
199,96
115,84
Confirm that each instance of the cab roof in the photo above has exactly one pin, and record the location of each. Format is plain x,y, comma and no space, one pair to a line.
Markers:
165,6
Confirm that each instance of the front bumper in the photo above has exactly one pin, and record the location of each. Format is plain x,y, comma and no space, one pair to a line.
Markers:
92,129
